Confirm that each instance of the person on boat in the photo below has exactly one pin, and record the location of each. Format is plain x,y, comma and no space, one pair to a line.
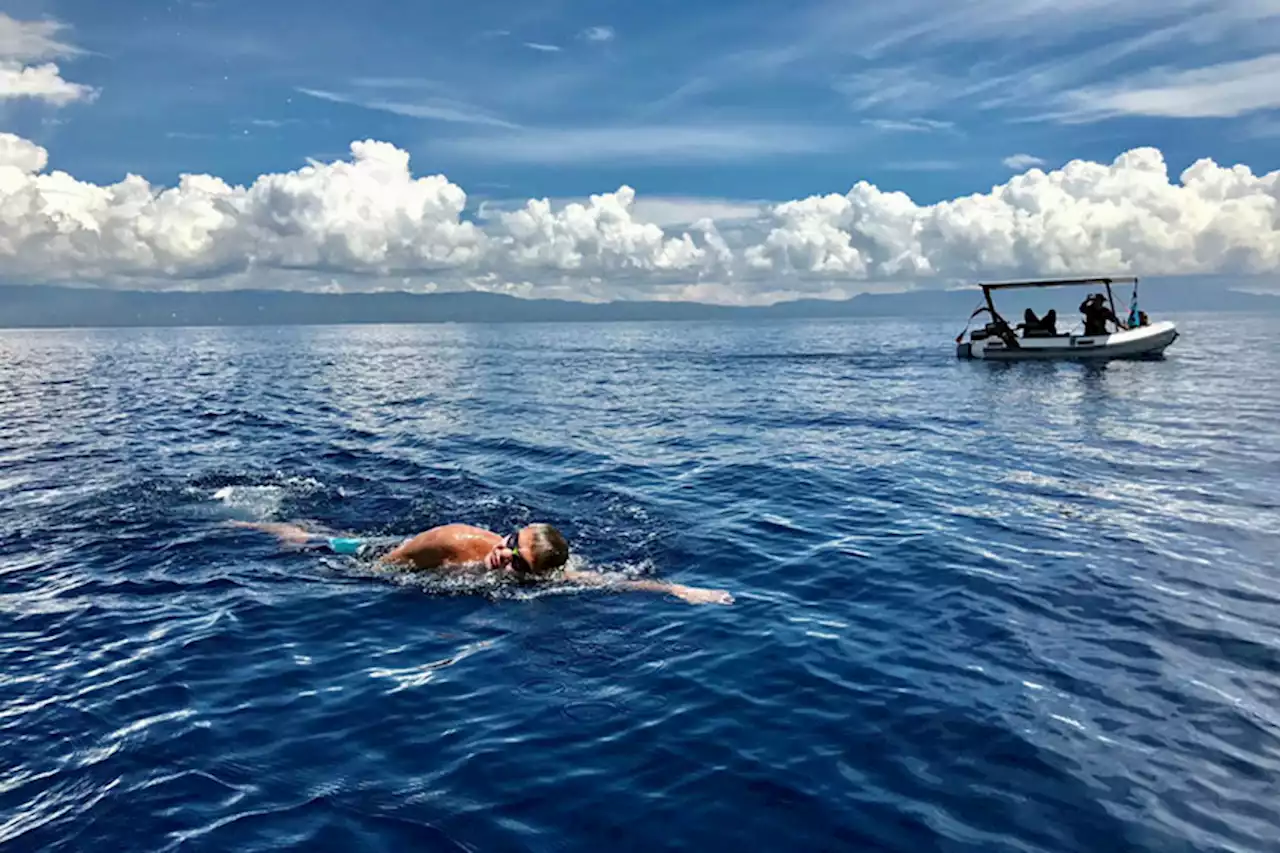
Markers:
1033,326
535,552
1097,314
1000,328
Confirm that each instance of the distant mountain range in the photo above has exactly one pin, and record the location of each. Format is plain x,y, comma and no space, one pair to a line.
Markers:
38,306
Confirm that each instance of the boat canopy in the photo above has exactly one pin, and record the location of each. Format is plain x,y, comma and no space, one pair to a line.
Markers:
1058,282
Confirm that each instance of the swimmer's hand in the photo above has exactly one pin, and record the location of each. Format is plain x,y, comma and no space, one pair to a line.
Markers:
691,594
695,595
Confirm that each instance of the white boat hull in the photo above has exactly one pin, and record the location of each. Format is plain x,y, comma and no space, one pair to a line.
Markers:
1142,342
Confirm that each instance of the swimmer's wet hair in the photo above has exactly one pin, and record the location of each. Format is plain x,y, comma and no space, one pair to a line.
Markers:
551,551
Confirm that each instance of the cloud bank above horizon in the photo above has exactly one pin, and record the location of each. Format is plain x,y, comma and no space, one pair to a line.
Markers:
366,222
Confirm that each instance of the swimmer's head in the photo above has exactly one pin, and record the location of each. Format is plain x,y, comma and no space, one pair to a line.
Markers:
533,551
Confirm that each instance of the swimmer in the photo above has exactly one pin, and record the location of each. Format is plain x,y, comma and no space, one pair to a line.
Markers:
534,552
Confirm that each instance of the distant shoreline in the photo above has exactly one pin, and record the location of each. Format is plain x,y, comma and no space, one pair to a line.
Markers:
576,322
54,307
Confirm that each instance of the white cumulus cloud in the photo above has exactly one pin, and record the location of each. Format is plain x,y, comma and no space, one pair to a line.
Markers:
43,82
1084,218
368,222
21,155
25,42
363,216
600,236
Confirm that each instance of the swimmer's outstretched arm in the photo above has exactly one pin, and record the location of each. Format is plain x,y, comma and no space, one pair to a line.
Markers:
691,594
290,533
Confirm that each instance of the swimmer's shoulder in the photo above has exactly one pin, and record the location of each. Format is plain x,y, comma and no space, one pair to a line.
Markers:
465,531
447,533
445,544
463,538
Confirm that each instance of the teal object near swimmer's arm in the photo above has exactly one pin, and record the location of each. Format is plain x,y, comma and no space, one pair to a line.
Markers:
342,545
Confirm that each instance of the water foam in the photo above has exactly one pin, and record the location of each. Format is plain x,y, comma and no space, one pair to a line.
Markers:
260,502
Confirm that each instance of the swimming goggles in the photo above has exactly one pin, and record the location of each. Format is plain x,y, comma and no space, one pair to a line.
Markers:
519,563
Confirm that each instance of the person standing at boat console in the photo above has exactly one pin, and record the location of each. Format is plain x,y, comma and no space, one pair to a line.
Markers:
1096,314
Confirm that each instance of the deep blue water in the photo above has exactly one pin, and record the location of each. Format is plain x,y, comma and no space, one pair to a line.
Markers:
979,607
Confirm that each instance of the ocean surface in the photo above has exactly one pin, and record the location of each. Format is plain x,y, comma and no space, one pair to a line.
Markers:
978,607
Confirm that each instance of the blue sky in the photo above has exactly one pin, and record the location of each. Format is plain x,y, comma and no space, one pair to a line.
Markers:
750,99
727,151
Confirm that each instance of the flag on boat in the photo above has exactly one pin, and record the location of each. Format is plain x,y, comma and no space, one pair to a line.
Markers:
1133,319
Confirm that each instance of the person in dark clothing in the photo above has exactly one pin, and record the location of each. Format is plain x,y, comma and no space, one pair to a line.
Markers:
999,328
1033,326
1097,314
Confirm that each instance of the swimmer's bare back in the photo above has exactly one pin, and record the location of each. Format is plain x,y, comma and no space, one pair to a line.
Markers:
445,546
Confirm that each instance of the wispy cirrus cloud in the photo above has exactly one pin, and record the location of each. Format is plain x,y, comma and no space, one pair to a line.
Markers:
899,89
1264,128
1225,90
914,57
25,42
923,165
909,125
1025,28
545,48
419,83
1062,90
1022,162
599,34
438,109
918,23
723,142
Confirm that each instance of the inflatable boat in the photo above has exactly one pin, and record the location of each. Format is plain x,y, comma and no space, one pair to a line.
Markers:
1038,338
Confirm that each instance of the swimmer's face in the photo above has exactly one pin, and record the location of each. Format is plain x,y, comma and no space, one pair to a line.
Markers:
536,550
515,554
